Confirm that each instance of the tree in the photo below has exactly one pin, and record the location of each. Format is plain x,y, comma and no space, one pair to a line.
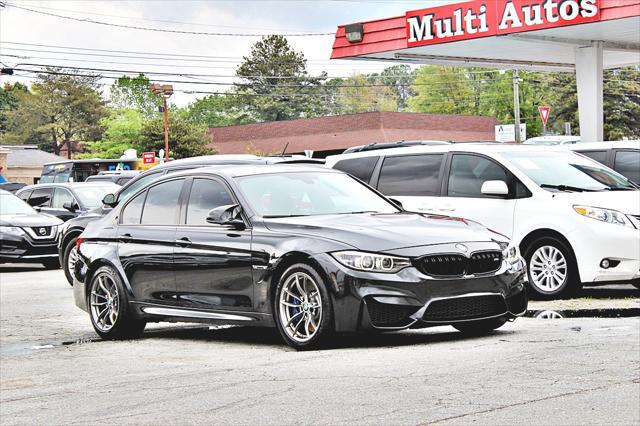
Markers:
62,109
275,83
357,94
122,131
186,139
216,111
134,93
399,78
442,90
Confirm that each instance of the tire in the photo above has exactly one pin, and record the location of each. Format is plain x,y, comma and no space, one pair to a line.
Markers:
552,269
70,251
302,308
106,293
51,264
480,327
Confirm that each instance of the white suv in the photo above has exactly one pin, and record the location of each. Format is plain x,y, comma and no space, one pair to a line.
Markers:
575,220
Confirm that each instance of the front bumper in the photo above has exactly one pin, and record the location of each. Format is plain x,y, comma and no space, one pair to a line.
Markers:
409,298
22,249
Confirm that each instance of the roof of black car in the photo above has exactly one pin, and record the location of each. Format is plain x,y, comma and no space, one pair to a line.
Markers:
70,185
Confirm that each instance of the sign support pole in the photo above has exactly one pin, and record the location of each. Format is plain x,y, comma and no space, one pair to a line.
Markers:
516,104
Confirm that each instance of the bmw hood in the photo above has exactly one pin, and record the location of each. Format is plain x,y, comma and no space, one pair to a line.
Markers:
383,232
627,202
35,219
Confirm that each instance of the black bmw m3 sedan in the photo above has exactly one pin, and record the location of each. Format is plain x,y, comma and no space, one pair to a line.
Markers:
307,250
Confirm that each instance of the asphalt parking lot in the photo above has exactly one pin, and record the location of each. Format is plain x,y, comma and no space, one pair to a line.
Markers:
576,370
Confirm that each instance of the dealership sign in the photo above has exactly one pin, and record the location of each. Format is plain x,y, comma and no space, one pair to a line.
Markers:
485,18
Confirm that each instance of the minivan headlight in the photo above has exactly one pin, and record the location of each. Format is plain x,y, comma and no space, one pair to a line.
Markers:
371,262
13,230
603,215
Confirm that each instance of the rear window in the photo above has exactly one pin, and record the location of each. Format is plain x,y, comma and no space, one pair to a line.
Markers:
627,163
411,175
361,168
41,197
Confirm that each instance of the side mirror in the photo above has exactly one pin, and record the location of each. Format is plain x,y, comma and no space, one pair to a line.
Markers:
109,200
72,207
397,203
495,187
226,215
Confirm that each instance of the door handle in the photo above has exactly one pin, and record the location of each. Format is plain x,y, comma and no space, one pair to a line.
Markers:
183,242
125,238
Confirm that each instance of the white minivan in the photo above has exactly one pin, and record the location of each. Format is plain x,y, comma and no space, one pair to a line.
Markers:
575,220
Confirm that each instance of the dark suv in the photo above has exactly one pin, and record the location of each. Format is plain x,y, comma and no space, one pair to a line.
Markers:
74,227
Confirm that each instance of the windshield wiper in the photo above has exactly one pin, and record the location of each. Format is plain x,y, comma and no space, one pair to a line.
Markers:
364,211
566,188
275,216
620,188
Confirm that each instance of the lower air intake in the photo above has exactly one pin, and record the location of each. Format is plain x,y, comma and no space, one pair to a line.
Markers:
384,315
465,308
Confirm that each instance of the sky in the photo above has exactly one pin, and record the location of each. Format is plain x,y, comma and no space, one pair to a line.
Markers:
159,51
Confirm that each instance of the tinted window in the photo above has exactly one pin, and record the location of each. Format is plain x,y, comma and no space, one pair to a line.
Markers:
132,211
41,197
599,156
24,196
627,163
131,189
62,196
206,195
161,206
410,175
469,172
361,168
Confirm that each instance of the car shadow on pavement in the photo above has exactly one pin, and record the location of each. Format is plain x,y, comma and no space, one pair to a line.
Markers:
25,268
270,337
617,292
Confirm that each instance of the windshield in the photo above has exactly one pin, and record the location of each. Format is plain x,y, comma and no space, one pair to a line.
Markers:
91,196
310,194
10,204
567,170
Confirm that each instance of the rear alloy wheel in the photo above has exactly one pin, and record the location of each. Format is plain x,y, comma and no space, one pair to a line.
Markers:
303,309
551,268
480,327
69,259
109,307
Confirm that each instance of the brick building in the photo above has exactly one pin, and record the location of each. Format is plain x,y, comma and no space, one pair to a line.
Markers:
332,135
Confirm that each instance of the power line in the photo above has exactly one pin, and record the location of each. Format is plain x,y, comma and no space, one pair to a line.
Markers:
161,30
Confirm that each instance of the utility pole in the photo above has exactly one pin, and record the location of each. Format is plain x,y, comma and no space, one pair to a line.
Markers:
516,104
165,90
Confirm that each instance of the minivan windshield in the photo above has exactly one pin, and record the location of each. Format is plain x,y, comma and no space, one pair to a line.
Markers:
310,194
567,171
10,204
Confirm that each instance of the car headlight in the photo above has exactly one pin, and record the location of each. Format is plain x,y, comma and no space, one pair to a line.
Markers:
603,215
11,230
511,254
371,262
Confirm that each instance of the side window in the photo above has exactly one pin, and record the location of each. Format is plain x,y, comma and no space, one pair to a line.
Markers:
411,175
41,197
206,195
361,168
133,211
627,163
599,156
161,206
60,197
131,189
24,196
469,172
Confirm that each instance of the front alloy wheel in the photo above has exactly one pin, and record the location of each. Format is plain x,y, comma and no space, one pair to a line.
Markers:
302,307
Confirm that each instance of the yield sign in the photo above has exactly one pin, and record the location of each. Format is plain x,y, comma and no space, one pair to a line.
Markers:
544,114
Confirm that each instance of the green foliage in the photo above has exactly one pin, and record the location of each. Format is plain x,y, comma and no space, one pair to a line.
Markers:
216,111
275,82
122,131
357,94
399,78
134,93
186,139
60,110
442,90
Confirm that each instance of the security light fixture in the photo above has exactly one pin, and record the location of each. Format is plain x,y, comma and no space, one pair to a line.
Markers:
354,32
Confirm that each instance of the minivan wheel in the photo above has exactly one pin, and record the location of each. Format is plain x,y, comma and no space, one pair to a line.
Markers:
109,307
69,259
480,327
552,269
302,308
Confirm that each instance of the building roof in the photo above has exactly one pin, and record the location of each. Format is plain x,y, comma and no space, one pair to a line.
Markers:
345,131
28,156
